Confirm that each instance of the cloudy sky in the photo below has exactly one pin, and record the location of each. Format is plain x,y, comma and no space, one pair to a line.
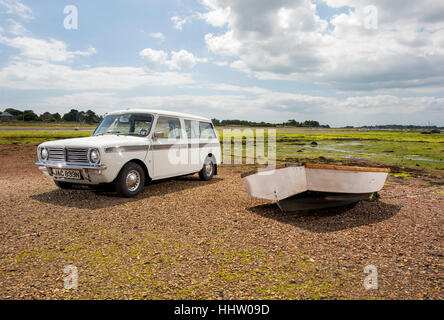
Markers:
340,62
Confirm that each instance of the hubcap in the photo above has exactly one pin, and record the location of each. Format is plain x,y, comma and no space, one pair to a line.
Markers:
208,168
132,180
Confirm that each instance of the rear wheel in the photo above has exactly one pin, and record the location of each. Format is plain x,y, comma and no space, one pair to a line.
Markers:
130,180
63,185
207,171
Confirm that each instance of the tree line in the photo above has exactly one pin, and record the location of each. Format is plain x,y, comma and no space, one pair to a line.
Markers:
289,123
73,115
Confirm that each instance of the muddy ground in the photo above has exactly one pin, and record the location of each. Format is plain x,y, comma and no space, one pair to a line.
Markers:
187,239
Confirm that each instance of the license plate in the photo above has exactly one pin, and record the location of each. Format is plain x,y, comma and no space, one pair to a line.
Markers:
66,173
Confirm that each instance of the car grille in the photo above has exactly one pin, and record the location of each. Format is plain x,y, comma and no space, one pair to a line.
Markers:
70,155
77,156
56,154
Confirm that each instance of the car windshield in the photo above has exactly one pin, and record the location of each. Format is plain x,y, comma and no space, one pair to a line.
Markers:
133,124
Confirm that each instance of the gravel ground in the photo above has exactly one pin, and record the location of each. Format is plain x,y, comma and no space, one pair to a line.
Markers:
187,239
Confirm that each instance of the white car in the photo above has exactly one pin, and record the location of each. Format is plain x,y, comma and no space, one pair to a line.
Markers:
132,147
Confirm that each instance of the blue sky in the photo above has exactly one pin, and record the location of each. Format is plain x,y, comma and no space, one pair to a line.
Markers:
339,62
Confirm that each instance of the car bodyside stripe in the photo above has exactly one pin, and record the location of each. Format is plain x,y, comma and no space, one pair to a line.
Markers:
159,147
126,149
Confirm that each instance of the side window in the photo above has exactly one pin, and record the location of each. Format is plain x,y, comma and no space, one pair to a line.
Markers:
192,129
142,125
206,130
168,128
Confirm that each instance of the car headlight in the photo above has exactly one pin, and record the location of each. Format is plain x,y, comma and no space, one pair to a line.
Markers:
94,156
44,154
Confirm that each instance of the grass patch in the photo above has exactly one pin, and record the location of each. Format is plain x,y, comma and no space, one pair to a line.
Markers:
409,149
404,175
36,137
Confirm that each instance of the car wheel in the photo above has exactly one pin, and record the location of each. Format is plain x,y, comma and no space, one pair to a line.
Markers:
130,180
63,185
207,171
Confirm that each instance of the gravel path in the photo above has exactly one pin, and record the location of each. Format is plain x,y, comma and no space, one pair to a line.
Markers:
187,239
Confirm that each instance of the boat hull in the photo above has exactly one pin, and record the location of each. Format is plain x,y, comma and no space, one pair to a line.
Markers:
319,200
342,181
332,183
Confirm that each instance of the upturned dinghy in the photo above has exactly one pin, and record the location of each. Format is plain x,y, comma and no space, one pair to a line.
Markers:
298,187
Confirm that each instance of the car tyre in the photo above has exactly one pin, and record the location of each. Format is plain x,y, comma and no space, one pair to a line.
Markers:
130,180
208,170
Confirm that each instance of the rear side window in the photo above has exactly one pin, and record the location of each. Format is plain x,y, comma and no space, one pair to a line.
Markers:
206,130
192,129
168,128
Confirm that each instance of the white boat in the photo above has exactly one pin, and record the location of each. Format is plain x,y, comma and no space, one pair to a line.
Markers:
312,186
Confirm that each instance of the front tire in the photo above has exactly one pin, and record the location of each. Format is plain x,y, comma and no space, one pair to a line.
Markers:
208,170
130,180
63,185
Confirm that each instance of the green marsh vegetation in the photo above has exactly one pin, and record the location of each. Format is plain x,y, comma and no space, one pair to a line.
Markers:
404,149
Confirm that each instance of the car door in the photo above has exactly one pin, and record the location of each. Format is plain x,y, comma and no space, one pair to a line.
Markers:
168,148
208,140
192,134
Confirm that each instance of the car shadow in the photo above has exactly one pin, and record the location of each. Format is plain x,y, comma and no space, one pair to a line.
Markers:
332,219
105,197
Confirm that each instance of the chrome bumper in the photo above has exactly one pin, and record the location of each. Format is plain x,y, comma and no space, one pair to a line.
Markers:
63,165
84,168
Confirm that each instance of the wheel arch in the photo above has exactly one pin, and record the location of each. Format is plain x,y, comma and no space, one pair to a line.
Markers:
213,157
144,167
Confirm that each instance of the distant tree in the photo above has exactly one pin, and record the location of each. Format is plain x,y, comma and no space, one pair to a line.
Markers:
91,117
56,116
46,116
310,124
71,116
29,115
246,123
292,123
18,115
215,122
81,116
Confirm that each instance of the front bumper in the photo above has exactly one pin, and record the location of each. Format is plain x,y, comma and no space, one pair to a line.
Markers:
89,172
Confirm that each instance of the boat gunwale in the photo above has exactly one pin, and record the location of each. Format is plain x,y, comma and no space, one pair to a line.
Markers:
279,166
316,166
345,168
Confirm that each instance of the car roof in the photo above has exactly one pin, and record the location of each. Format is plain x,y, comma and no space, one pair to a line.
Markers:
161,112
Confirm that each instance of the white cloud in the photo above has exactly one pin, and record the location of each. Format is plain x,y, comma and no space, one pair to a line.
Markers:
217,17
225,44
228,101
157,35
17,8
221,63
35,75
180,60
178,22
286,39
234,88
279,106
154,58
48,50
101,102
16,28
